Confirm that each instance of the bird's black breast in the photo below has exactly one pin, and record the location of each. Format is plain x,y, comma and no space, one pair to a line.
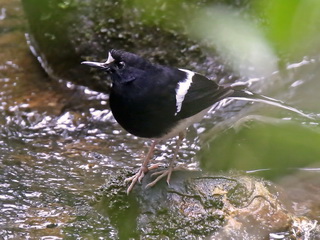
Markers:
146,106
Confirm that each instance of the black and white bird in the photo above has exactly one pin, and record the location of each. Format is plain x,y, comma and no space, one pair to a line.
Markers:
160,102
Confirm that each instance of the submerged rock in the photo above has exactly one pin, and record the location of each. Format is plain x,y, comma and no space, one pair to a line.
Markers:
64,33
198,205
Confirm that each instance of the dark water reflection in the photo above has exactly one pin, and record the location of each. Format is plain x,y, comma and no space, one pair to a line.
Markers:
52,159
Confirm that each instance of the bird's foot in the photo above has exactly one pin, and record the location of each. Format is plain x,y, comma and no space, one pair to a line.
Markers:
139,176
164,173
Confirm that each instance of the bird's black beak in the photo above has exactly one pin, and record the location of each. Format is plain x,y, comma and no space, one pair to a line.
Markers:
102,66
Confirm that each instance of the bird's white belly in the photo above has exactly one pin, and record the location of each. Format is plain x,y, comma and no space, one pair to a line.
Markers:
184,124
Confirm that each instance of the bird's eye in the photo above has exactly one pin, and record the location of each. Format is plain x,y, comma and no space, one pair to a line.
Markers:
120,65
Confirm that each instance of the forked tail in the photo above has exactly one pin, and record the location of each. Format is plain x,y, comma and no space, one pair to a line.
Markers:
249,96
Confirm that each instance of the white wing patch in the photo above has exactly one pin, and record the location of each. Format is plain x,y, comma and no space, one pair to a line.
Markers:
182,89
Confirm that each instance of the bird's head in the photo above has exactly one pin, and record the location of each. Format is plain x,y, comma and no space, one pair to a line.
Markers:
122,66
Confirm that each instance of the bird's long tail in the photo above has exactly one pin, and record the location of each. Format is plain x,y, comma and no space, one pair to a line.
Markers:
249,96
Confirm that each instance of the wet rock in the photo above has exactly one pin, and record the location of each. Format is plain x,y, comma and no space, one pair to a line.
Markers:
198,205
64,33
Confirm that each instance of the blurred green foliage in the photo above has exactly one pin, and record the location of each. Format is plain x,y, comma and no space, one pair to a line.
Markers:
275,29
237,39
292,26
276,146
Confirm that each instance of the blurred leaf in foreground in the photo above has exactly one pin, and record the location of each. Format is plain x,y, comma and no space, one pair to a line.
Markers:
276,146
292,26
237,40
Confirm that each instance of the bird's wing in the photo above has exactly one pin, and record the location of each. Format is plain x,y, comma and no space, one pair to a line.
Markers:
199,94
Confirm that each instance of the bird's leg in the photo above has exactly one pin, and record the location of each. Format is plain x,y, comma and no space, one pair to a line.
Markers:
143,169
176,151
168,171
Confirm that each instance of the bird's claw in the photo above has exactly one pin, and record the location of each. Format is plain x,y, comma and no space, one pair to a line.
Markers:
139,176
162,174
